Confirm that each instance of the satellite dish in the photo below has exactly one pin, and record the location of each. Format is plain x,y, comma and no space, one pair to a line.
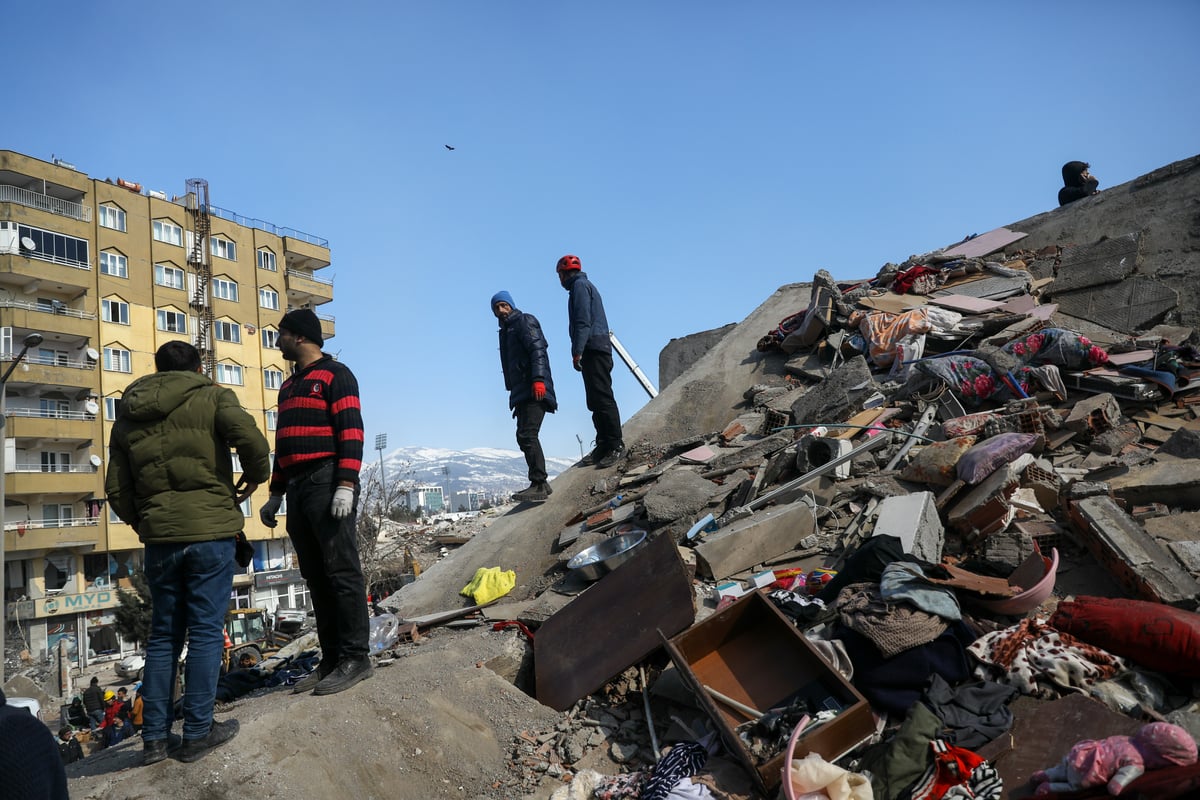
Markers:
28,243
95,459
92,354
91,407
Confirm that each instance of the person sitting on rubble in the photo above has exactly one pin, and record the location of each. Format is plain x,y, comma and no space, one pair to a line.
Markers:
1078,183
68,746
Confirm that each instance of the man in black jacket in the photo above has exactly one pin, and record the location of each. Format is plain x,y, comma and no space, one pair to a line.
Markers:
530,387
1078,183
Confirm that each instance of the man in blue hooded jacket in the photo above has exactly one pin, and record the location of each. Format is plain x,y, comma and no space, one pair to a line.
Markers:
530,387
591,354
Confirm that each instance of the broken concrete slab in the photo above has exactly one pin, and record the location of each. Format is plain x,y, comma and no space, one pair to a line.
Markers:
836,398
987,509
1175,482
1140,564
1130,306
679,493
914,520
1184,442
1103,262
754,539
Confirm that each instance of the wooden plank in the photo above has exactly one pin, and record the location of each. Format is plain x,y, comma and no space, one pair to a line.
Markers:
985,243
965,303
864,418
613,624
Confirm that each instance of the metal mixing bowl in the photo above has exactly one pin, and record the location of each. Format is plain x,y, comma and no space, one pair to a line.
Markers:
600,559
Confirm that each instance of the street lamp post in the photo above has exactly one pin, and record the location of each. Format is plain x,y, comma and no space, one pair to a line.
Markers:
380,444
32,340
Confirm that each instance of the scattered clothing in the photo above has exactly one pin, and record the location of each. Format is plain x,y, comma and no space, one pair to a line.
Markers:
1042,661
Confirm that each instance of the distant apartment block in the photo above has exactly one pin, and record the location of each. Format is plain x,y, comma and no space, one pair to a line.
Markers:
468,501
106,271
427,498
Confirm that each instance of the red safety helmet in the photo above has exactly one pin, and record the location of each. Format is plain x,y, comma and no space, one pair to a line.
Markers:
568,262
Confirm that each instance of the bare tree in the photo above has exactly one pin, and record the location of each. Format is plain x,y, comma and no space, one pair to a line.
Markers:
379,501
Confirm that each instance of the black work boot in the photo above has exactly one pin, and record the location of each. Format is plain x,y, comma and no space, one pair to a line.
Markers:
612,457
218,734
536,493
592,457
349,672
310,681
153,752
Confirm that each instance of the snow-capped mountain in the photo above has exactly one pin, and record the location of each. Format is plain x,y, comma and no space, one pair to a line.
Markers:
484,469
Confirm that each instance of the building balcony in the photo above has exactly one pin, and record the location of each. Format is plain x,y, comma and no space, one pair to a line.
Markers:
327,327
302,251
80,480
77,373
62,426
57,317
28,271
44,202
63,533
306,289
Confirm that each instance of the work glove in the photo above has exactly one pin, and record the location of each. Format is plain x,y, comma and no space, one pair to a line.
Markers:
577,362
343,502
269,509
539,390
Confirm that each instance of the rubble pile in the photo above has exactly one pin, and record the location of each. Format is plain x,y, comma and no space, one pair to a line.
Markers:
947,411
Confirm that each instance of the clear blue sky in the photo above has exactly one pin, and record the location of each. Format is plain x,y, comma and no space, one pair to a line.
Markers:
695,154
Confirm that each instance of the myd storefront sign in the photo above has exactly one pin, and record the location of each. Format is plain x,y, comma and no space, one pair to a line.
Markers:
62,604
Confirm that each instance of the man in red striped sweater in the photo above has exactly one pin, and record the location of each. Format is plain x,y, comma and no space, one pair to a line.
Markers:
318,454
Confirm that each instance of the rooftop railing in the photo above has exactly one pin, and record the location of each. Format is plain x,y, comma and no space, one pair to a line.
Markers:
263,225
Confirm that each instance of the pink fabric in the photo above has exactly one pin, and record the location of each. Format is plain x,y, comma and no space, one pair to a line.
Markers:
1117,761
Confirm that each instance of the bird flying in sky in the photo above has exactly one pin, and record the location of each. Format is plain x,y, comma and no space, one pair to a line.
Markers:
448,147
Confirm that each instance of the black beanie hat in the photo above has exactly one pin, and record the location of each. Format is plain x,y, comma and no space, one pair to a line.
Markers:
303,322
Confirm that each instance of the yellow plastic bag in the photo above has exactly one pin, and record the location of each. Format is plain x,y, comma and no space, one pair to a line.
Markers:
489,584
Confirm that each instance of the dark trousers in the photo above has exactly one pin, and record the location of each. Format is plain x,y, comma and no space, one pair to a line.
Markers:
597,387
529,423
328,553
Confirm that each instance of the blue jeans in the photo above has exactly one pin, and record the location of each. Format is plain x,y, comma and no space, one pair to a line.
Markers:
190,584
328,552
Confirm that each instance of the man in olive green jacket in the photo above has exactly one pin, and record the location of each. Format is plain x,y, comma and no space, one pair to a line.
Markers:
170,477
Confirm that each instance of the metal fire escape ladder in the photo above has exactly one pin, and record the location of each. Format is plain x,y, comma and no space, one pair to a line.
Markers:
198,262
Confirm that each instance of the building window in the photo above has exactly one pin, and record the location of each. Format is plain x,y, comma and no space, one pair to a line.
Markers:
166,275
227,331
114,311
268,298
167,231
171,321
270,339
223,248
112,217
56,247
51,356
236,460
272,378
230,374
53,408
225,289
110,408
266,260
117,360
114,264
272,419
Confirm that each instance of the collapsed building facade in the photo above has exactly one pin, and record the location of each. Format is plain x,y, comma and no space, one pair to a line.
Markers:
962,460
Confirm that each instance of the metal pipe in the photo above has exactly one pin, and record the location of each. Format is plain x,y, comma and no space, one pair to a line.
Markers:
633,367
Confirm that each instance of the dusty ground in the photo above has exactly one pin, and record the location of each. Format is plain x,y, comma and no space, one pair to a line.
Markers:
434,723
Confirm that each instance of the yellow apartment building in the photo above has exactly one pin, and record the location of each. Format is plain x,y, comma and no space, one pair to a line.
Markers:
95,275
